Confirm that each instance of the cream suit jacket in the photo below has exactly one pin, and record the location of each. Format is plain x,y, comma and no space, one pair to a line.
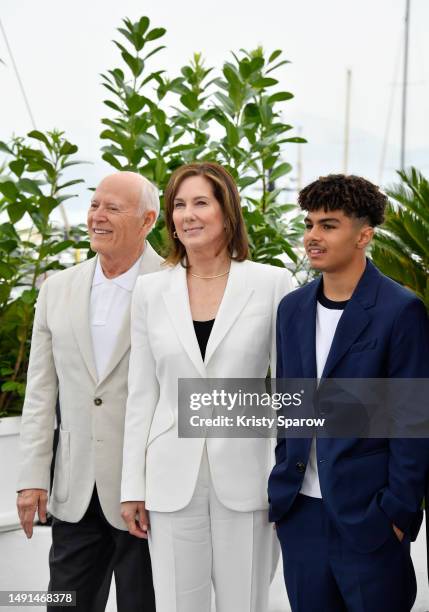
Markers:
158,466
92,411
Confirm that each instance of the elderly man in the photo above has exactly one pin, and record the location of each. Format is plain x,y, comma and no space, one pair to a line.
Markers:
80,351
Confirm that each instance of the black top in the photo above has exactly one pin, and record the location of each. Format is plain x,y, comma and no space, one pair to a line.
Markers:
202,331
327,303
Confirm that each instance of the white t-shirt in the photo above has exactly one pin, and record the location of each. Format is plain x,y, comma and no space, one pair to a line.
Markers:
110,301
327,316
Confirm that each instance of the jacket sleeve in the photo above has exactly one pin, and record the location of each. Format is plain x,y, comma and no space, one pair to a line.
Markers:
143,394
283,286
409,457
38,417
280,449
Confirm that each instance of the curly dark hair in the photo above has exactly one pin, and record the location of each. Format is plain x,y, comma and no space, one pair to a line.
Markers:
354,195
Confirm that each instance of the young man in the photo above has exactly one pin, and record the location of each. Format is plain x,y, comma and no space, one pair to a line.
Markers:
345,509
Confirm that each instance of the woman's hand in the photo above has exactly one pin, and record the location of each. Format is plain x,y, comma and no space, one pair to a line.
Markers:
136,518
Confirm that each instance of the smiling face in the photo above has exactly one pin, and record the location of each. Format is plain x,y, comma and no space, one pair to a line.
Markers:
116,224
333,241
198,216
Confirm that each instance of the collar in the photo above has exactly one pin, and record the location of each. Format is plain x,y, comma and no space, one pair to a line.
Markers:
126,280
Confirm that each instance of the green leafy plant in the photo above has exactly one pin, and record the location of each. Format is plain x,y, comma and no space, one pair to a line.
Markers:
156,123
401,246
31,188
233,117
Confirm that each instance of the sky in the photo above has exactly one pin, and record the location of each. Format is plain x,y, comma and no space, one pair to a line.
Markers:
62,47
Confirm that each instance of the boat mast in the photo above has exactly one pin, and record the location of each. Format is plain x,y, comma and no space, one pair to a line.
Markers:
405,85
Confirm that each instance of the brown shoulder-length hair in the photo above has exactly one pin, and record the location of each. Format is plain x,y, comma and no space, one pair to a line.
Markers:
225,192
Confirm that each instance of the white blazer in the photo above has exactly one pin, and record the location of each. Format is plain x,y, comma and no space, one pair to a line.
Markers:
158,466
92,411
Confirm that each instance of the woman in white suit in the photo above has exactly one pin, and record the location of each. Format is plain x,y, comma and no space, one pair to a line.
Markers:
211,314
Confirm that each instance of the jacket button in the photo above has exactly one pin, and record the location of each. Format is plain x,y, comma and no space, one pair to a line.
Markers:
98,401
300,466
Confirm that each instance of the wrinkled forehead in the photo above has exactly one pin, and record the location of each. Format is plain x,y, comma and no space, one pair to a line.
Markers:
122,193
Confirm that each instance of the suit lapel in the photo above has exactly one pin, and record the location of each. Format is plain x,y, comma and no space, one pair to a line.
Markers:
351,324
150,262
176,301
355,317
235,298
306,325
80,294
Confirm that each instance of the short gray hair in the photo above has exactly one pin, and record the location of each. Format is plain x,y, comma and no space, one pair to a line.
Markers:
149,197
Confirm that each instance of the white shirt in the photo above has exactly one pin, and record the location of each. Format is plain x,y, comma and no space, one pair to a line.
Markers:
110,301
326,325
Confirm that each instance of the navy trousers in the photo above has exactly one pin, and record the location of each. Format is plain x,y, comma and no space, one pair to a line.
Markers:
324,574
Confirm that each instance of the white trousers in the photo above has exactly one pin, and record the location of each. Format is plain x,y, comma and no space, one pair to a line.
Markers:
206,542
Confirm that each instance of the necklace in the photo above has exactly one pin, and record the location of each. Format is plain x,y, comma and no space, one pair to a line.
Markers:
209,277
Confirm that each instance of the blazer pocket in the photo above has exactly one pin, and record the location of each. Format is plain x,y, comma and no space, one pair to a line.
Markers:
61,486
365,345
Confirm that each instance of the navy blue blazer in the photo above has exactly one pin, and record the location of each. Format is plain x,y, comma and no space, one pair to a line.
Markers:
366,484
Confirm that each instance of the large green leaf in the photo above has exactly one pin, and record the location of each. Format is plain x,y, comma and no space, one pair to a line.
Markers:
9,190
135,64
264,82
37,135
16,211
142,25
155,33
5,271
280,170
29,186
274,55
281,96
17,166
